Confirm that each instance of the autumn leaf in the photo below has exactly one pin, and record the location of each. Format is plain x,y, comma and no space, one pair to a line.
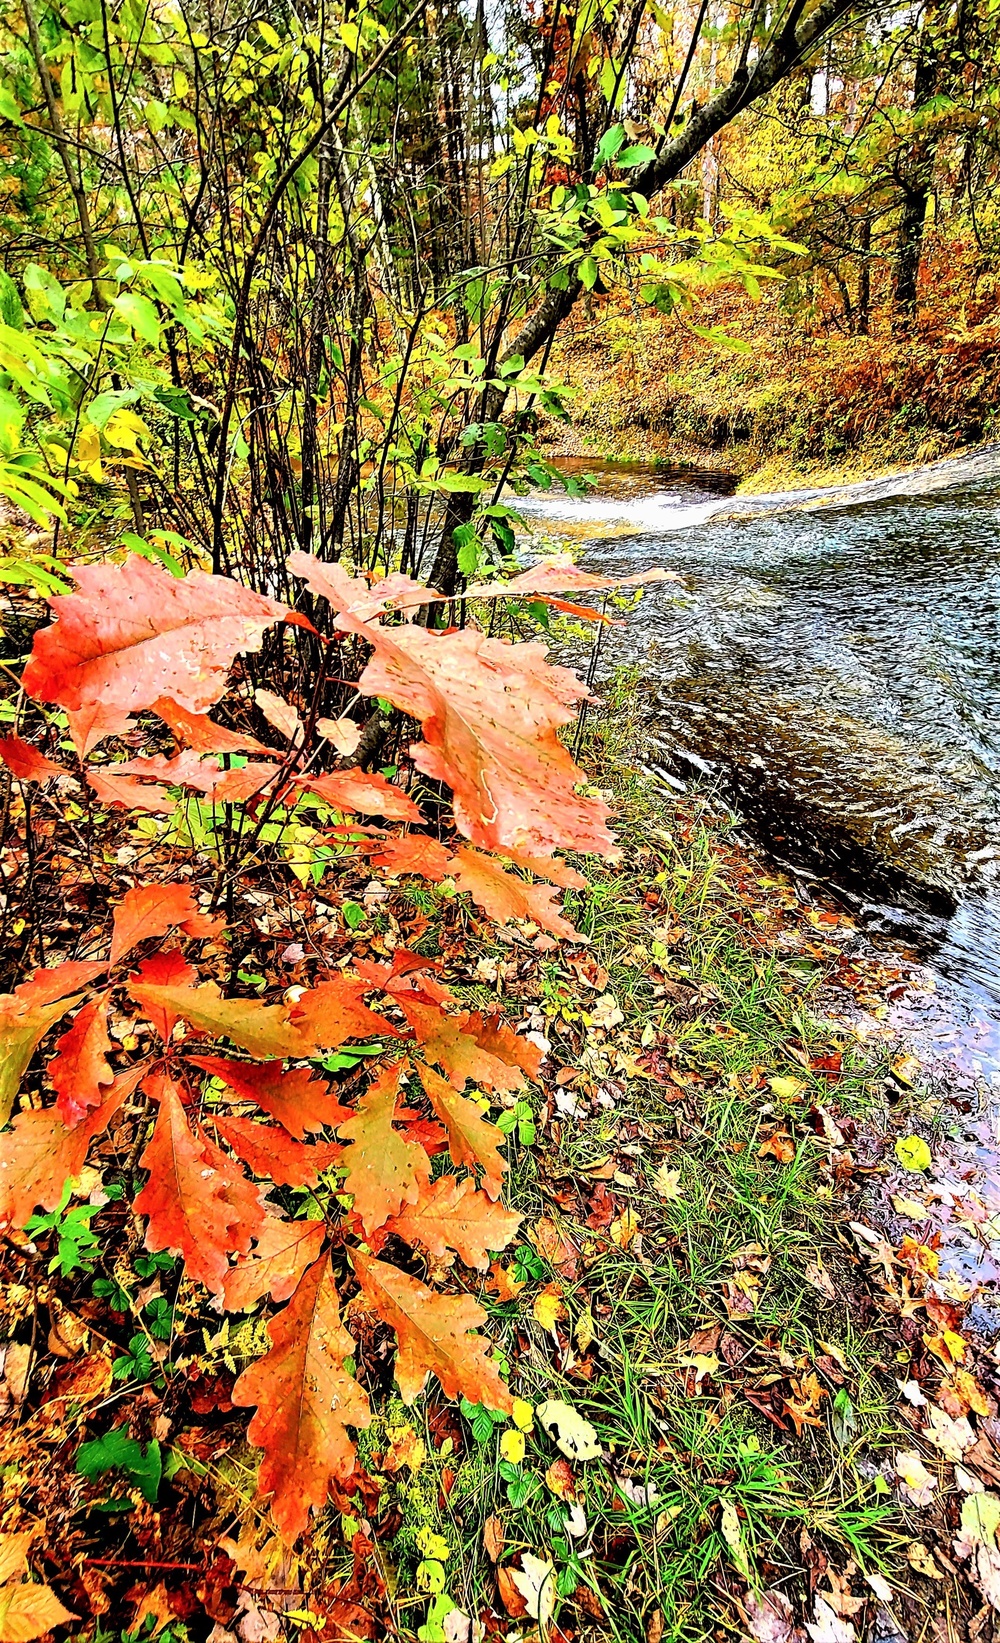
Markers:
189,769
130,792
505,897
280,714
472,1141
284,1250
305,1401
187,1197
134,633
167,968
413,853
201,733
451,1214
28,1610
435,1336
152,910
79,1070
490,713
536,1582
40,1154
359,791
25,762
466,1047
384,1171
26,1015
296,1099
271,1152
344,733
262,1029
334,1011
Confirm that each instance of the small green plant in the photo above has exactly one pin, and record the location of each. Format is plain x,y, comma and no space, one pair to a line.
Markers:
136,1364
519,1117
115,1450
77,1246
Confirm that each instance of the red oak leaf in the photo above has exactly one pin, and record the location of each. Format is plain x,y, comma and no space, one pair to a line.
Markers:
201,733
135,633
40,1154
384,1170
187,1196
433,1332
306,1401
167,968
295,1098
45,986
80,1070
358,790
549,867
334,1011
284,1250
505,897
451,1214
189,769
90,724
131,792
22,1028
262,1029
471,1140
270,1151
25,762
152,910
490,712
413,853
452,1042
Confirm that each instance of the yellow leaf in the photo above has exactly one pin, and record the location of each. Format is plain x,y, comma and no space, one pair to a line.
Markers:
913,1153
433,1545
912,1208
547,1309
667,1182
786,1089
624,1229
28,1611
512,1446
585,1330
523,1415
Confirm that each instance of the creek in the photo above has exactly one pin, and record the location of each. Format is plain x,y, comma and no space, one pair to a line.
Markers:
831,662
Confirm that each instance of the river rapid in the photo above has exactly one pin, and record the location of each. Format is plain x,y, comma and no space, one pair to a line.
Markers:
831,662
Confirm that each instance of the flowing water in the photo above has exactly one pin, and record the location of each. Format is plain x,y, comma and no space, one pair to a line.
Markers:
832,660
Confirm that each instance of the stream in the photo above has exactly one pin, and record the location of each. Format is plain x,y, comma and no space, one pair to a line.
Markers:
831,662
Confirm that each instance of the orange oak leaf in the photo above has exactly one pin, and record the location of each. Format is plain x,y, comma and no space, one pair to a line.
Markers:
187,1197
334,1011
201,733
247,1209
25,762
549,867
505,897
262,1029
281,714
295,1098
361,791
40,1154
305,1401
384,1170
152,910
45,986
560,574
284,1250
80,1068
413,853
494,1037
134,633
451,1214
452,1042
472,1141
90,724
189,769
271,1151
167,968
434,1336
344,733
22,1028
131,792
490,712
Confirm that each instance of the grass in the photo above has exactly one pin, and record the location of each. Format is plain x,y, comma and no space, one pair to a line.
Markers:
734,1278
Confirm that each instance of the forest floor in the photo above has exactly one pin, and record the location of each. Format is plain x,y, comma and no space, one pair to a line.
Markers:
728,1269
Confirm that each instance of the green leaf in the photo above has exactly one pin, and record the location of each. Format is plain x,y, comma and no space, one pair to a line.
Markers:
640,154
139,313
11,312
451,481
608,146
115,1449
713,334
588,273
8,107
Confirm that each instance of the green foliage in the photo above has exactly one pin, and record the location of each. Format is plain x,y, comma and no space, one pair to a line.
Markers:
77,1246
115,1450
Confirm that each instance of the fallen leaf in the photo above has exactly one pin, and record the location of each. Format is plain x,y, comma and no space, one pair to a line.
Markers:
667,1182
769,1617
918,1485
547,1309
493,1538
570,1433
921,1560
536,1582
976,1543
913,1153
827,1627
952,1437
